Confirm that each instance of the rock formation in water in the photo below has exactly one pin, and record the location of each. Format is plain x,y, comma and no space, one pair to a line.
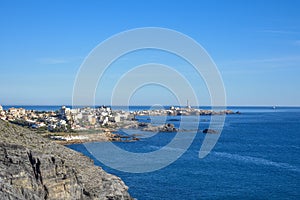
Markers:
32,167
207,130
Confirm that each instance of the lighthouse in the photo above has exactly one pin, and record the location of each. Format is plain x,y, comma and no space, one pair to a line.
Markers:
187,104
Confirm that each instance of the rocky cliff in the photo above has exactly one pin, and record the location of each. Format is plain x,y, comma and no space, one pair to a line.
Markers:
32,167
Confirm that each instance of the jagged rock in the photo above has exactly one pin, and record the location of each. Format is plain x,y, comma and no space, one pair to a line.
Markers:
32,167
143,124
207,130
168,128
163,128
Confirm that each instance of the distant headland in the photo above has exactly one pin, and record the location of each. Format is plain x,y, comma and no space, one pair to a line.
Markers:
76,125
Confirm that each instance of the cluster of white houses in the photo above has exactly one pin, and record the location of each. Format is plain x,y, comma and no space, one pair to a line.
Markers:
92,118
65,118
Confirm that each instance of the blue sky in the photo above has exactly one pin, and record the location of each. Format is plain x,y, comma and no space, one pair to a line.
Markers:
255,44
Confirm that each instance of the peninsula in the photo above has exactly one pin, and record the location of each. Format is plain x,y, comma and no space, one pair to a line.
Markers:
86,124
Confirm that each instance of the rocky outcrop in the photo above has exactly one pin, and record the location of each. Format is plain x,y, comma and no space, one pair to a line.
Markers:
163,128
207,130
173,111
32,167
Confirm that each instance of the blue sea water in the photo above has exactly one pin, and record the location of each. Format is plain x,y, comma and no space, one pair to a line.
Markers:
33,107
256,157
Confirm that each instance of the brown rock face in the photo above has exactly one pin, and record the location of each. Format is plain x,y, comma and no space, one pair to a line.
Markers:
32,167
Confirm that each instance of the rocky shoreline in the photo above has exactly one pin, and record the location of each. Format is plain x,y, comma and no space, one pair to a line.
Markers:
79,138
101,124
177,111
110,135
33,167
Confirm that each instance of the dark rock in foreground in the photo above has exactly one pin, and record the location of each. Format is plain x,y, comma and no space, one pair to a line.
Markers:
32,167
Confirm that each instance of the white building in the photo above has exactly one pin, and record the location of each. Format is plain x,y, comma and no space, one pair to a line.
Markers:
38,125
78,116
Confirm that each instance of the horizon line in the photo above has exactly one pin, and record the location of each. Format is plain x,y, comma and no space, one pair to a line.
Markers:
150,105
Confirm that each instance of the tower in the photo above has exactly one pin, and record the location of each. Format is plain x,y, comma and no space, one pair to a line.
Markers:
187,104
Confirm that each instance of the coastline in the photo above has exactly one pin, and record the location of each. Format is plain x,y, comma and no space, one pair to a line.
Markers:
33,167
95,137
101,124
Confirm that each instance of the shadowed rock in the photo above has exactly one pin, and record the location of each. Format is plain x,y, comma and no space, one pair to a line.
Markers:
209,131
32,167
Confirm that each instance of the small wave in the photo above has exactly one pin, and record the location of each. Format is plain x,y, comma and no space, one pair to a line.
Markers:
257,161
154,147
165,148
295,147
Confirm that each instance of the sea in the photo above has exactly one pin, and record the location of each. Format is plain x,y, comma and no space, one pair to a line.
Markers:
257,156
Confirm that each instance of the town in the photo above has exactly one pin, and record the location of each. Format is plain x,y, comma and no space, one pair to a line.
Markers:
66,119
80,119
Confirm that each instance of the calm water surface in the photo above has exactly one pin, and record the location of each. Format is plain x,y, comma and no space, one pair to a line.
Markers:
256,157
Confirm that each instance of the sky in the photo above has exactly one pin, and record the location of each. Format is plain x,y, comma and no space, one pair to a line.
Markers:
254,44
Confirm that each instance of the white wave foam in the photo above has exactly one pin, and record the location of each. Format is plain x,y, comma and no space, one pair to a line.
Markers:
154,147
257,161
